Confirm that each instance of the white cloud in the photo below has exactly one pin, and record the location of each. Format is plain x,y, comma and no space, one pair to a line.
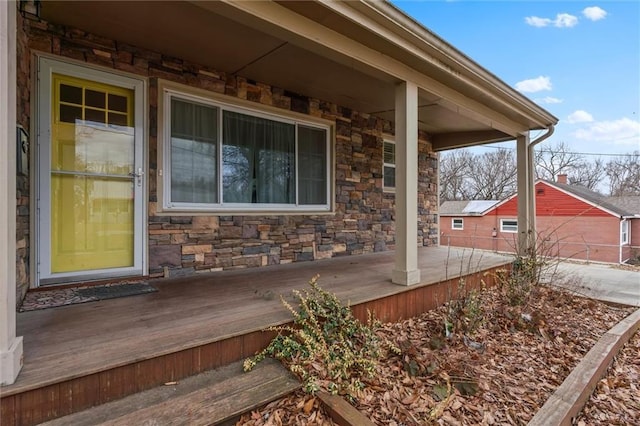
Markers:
535,21
548,100
594,13
562,20
621,131
580,116
534,84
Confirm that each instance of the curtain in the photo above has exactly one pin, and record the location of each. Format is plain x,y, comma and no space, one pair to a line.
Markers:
258,159
193,152
312,170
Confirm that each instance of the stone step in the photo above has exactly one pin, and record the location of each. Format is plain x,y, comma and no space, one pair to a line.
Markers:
209,398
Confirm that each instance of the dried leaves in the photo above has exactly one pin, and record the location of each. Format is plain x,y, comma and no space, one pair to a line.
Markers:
616,400
295,409
502,374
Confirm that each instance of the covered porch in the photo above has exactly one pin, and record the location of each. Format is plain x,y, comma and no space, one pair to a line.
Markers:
87,354
362,72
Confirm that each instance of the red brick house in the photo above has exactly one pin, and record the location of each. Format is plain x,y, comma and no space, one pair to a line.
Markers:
173,138
571,221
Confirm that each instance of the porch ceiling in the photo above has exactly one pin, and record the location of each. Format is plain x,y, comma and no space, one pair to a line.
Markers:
228,39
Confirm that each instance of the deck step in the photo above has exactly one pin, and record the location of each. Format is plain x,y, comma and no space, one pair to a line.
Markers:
208,398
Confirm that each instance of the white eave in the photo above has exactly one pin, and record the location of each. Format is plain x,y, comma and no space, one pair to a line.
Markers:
423,43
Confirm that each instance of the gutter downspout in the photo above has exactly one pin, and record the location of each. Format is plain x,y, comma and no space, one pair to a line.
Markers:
550,131
530,190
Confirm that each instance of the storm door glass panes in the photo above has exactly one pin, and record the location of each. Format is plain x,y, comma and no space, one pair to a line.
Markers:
258,160
90,184
312,166
93,136
194,133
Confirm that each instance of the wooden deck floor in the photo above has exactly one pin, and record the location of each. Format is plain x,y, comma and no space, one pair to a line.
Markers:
65,343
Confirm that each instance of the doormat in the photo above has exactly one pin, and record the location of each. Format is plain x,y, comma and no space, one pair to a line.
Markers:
36,300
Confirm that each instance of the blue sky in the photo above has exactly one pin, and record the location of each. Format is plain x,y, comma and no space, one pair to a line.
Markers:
578,60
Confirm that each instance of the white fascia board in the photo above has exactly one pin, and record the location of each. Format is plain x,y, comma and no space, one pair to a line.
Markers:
391,23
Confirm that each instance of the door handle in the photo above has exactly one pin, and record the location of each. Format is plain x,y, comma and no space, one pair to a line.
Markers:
138,176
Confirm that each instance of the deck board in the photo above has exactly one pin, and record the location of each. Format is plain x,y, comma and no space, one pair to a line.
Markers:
204,399
185,313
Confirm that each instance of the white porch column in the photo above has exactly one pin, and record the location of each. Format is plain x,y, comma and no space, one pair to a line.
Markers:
10,345
524,187
406,270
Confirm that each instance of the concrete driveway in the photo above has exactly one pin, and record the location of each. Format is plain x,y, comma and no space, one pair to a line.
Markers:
610,283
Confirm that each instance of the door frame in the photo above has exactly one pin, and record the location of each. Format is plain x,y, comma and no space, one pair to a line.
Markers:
46,66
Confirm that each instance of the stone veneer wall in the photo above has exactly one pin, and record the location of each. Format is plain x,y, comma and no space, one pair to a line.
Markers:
363,221
23,94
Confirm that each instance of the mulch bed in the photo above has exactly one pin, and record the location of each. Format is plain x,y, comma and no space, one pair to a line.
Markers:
616,399
500,372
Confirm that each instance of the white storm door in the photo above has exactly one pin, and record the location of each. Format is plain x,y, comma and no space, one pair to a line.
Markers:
90,221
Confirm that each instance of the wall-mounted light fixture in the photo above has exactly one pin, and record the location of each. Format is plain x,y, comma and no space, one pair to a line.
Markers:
30,8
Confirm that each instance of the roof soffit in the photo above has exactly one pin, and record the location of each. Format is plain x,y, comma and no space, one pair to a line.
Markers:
331,66
381,26
289,25
447,54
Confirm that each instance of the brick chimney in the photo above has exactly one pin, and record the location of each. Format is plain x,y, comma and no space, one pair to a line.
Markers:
562,179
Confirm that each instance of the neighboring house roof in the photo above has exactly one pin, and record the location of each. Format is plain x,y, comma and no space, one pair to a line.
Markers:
466,208
592,197
617,206
630,203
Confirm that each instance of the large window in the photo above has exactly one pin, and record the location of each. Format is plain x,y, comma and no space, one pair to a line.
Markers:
389,165
220,157
508,225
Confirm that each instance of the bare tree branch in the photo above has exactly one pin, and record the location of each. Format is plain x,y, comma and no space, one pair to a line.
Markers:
556,160
588,174
492,175
624,175
454,166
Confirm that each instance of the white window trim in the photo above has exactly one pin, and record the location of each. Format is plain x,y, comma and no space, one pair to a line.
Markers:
625,231
391,189
508,230
453,222
167,90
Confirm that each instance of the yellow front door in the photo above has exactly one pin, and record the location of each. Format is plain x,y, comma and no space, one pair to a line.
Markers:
91,176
